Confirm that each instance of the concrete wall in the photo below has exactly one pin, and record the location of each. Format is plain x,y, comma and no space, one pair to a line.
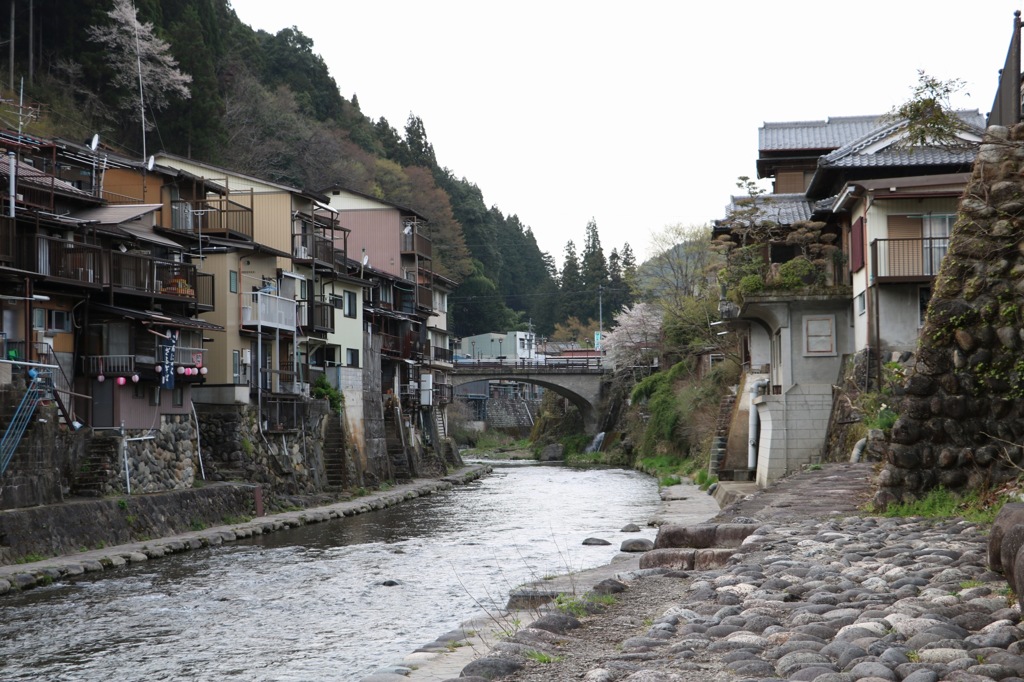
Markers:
793,429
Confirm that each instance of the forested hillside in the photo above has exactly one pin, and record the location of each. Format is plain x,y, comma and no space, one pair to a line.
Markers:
268,105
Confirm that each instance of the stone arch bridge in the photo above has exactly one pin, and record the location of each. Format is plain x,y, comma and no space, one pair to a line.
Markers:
577,379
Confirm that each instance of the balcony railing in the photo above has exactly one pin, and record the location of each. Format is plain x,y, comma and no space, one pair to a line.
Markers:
204,290
313,249
441,354
55,257
417,243
267,310
443,393
213,217
103,365
907,260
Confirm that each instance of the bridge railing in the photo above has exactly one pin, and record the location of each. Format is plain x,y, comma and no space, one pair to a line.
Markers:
572,365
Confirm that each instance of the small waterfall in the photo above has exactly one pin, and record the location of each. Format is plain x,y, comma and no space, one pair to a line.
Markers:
595,445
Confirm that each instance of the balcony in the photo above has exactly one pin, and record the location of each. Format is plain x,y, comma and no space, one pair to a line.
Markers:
440,354
60,259
443,394
414,243
204,291
217,217
907,260
103,365
140,274
316,317
267,311
314,250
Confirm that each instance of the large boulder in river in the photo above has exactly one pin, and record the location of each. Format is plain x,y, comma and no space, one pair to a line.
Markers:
553,453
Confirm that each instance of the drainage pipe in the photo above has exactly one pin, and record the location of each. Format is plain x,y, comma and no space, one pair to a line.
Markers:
858,450
752,424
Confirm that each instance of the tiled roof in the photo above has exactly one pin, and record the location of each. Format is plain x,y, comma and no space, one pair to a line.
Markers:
850,156
784,209
829,134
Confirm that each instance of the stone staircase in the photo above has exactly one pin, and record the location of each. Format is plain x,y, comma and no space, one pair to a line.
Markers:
97,467
335,461
718,445
396,447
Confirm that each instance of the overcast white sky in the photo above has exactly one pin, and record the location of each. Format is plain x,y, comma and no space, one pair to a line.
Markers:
562,111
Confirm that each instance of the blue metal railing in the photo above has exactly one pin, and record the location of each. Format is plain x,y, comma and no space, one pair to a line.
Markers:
40,385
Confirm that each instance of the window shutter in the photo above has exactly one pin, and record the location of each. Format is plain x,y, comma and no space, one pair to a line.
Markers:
857,246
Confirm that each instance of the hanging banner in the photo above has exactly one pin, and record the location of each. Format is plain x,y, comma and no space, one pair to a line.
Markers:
168,354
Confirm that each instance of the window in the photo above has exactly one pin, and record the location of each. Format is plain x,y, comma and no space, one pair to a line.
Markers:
350,304
819,335
862,303
385,293
39,318
178,396
352,357
154,395
233,281
60,321
935,230
236,367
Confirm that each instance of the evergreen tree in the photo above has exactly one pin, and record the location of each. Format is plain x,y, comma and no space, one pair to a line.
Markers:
571,293
629,275
593,273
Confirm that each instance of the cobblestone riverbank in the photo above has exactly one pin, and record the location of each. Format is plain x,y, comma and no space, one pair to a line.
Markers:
829,597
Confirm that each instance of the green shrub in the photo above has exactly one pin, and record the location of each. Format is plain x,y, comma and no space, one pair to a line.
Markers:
751,284
798,273
322,390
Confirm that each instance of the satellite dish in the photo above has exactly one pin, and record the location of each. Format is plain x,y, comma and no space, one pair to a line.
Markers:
94,142
150,162
408,228
366,259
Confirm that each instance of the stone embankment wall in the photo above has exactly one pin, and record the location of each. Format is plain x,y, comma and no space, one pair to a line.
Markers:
70,528
513,416
235,448
161,460
962,413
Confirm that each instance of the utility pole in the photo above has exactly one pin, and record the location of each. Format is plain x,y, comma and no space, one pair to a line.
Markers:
600,315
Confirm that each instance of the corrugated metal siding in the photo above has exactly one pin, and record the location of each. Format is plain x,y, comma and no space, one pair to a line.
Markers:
378,231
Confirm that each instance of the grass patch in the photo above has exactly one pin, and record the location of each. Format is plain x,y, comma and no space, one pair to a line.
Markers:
541,657
30,559
582,606
978,506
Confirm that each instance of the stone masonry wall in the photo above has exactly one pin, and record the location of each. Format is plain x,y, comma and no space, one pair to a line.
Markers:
961,421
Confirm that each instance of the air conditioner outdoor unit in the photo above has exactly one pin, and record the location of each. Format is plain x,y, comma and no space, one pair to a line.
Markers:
301,252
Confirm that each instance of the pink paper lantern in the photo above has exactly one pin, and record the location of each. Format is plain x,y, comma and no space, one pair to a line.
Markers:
135,378
181,370
121,381
101,378
203,370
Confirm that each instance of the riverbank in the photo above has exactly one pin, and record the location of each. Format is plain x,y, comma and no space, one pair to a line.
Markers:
487,632
820,591
29,574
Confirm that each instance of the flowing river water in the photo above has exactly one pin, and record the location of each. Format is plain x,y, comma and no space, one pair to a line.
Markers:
310,603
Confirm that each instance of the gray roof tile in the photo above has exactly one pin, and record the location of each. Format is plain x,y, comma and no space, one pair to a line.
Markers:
832,133
784,209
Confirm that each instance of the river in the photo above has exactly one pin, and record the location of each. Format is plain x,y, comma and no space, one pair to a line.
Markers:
310,603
